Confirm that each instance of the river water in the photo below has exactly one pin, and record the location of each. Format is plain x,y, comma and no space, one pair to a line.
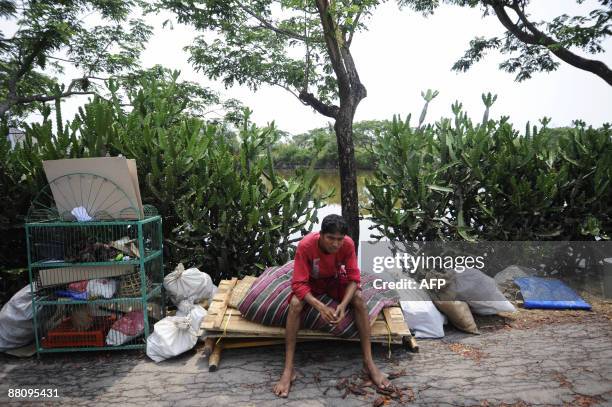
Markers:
330,179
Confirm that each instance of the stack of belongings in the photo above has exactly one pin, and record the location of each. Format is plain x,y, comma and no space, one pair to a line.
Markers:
253,311
466,293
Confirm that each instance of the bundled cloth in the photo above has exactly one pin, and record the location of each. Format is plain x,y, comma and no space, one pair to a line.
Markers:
191,284
171,337
479,291
16,327
174,335
101,288
194,312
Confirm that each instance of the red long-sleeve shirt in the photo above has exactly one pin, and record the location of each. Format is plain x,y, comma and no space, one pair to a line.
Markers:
318,272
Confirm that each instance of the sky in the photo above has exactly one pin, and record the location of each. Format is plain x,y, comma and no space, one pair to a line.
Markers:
404,53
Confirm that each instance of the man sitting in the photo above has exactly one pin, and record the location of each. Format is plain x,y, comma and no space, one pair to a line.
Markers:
325,263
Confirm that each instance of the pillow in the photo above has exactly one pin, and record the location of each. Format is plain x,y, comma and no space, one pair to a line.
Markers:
266,303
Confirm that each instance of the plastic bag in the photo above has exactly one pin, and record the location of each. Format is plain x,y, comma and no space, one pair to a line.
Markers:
101,288
171,336
190,284
128,327
16,327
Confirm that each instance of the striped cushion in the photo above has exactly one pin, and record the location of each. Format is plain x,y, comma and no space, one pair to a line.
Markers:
266,303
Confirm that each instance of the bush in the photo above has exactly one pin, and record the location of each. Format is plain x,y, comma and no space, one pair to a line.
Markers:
458,181
224,209
238,215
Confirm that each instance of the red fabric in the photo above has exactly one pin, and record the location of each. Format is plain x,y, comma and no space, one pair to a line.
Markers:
130,324
78,286
320,273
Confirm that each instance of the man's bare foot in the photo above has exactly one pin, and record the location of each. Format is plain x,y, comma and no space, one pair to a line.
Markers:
378,377
281,389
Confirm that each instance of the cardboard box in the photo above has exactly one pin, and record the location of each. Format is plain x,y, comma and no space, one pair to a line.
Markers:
118,199
65,275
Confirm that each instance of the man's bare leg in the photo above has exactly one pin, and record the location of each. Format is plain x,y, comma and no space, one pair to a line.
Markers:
363,324
281,388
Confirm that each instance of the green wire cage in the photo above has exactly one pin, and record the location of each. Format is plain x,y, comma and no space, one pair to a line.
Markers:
95,266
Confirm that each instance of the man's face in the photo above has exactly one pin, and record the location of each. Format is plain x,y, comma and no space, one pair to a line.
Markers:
331,242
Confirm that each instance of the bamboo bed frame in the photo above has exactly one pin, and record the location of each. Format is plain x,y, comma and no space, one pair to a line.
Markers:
227,329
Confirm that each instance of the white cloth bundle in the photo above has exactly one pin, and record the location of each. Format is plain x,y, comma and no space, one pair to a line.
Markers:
190,284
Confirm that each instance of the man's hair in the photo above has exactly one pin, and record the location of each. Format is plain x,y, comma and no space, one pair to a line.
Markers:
334,224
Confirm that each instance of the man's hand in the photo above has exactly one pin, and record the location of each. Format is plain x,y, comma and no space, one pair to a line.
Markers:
328,314
339,314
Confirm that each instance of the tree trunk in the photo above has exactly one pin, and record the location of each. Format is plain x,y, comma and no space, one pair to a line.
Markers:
348,172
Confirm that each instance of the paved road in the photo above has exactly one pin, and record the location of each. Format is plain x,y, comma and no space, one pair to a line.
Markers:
549,364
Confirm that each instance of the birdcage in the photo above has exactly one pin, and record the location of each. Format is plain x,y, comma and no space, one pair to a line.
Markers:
95,266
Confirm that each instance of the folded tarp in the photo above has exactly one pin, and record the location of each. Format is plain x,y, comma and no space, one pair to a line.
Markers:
549,293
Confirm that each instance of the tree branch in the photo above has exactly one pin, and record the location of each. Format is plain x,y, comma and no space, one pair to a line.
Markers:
26,65
333,48
47,98
503,17
11,101
61,59
537,37
359,91
316,104
288,89
355,24
270,26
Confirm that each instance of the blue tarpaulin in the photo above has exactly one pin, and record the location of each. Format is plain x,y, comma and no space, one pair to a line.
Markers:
549,293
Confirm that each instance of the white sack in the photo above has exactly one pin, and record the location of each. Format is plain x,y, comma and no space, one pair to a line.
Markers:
171,336
16,327
190,284
424,318
420,313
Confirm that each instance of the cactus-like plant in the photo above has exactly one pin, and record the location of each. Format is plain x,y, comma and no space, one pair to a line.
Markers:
490,182
488,101
428,97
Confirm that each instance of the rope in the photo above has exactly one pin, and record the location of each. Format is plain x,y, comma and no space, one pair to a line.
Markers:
389,338
224,329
